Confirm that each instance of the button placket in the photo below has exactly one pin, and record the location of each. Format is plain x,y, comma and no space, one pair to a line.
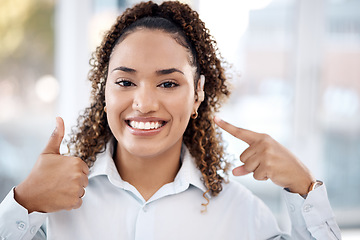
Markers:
145,223
292,208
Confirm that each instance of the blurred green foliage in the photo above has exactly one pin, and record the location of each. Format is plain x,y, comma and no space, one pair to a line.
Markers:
26,38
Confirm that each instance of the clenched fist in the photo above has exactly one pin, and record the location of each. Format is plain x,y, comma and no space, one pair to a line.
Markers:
56,182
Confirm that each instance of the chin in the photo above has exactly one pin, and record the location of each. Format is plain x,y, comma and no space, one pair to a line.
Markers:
149,149
147,154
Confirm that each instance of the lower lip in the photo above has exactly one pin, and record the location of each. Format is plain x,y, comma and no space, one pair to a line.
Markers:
145,132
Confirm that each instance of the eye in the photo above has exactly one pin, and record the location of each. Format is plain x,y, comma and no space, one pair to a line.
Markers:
125,83
168,84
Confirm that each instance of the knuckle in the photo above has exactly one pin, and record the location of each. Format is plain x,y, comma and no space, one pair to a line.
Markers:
86,182
265,136
76,177
268,164
247,168
266,139
80,191
76,161
73,191
267,153
77,204
260,176
80,163
238,131
256,176
86,169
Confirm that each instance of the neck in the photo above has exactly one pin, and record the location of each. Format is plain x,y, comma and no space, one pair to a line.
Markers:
148,174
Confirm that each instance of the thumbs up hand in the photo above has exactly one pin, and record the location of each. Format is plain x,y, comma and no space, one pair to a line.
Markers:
56,182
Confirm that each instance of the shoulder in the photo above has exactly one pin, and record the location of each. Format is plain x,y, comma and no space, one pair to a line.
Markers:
234,193
235,188
243,202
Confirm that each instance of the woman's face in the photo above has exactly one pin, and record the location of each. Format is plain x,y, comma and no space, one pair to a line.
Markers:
149,93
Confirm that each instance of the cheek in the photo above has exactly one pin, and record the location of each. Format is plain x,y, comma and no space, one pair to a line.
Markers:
107,95
115,103
182,106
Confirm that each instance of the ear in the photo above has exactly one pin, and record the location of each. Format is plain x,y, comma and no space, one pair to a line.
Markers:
200,89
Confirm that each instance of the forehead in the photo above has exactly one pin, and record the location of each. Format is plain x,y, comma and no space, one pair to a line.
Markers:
149,49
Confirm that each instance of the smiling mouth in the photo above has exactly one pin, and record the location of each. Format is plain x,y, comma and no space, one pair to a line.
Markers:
145,125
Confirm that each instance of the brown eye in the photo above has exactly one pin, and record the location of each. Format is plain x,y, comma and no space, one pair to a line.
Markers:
168,85
125,83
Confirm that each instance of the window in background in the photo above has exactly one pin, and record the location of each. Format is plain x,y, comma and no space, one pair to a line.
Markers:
28,89
339,108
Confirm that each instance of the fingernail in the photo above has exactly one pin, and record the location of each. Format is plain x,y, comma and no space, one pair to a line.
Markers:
55,130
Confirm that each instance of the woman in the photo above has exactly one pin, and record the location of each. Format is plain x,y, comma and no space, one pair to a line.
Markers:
149,156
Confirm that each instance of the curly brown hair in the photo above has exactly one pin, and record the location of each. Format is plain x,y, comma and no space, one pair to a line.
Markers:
201,137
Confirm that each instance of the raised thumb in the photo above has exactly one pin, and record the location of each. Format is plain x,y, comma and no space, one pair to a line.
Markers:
53,146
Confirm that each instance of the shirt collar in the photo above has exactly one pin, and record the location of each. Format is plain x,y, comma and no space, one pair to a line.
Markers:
104,165
189,174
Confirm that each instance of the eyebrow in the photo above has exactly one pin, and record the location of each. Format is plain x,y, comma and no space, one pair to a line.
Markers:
168,71
124,69
158,72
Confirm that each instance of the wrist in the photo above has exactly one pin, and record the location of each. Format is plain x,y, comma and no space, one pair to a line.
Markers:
22,198
302,187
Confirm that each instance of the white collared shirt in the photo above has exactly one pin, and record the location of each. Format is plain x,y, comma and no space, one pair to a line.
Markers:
114,209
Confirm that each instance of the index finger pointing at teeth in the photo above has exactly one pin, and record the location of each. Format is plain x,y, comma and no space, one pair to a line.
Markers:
243,134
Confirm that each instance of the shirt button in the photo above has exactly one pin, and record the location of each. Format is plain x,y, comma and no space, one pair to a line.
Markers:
145,208
307,208
21,225
32,230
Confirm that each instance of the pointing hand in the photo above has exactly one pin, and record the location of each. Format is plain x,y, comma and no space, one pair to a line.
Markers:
266,158
56,182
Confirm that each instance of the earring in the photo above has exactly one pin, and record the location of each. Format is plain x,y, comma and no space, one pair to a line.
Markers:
105,109
194,115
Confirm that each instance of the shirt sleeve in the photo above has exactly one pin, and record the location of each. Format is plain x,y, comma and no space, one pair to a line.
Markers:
16,223
312,218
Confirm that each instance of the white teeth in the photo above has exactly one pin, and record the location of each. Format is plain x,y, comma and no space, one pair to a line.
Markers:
145,125
134,124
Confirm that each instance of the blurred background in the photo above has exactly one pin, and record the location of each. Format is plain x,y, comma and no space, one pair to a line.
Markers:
295,75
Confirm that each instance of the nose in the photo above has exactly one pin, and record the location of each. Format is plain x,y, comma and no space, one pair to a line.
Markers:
145,100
